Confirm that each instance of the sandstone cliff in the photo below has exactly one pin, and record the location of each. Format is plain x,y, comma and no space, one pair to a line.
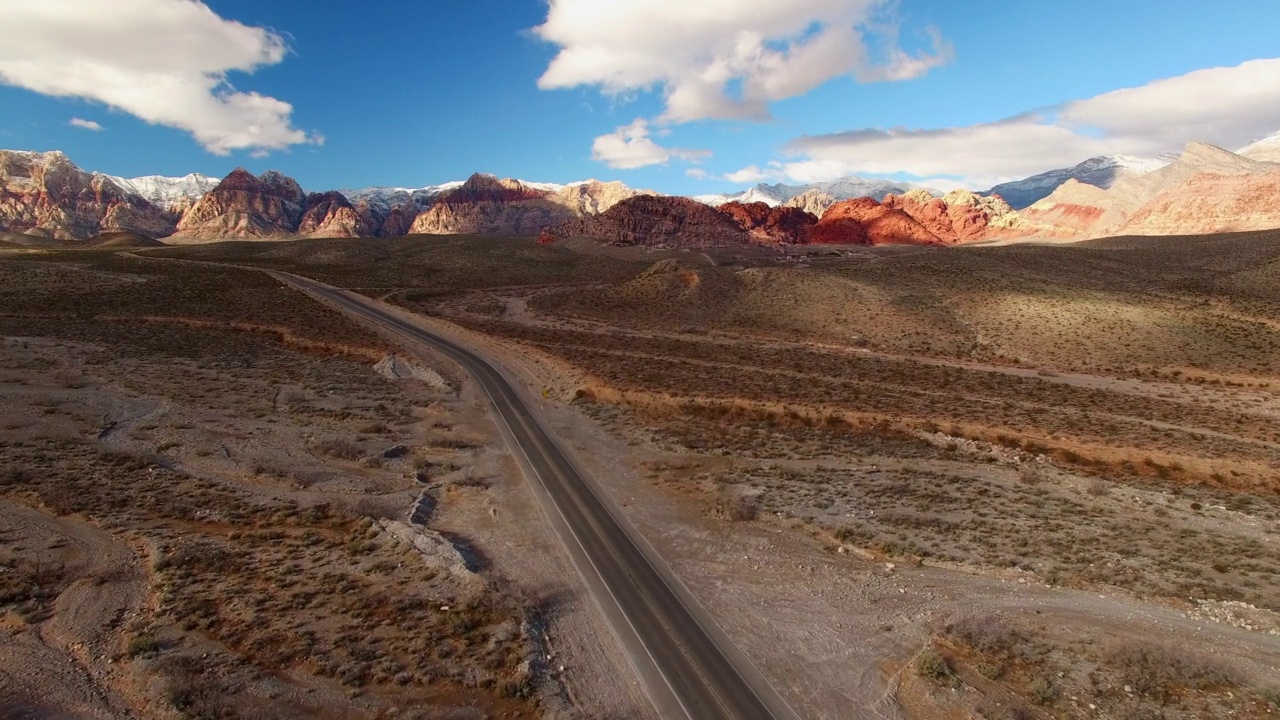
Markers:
486,205
961,216
814,202
864,221
775,225
331,215
46,194
245,206
657,220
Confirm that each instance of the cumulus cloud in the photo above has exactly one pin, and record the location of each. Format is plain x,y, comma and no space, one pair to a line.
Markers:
725,59
630,147
86,124
1226,106
164,61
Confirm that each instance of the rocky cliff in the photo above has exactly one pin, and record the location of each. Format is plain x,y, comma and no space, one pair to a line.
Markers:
657,220
485,204
864,221
46,194
331,215
814,202
960,216
245,206
774,225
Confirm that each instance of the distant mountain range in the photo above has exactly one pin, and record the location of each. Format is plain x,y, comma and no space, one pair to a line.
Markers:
44,195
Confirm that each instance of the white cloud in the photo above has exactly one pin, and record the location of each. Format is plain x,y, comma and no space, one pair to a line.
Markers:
164,61
1226,106
86,124
724,59
750,175
696,173
630,147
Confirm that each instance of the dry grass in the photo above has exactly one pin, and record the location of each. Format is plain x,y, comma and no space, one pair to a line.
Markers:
263,559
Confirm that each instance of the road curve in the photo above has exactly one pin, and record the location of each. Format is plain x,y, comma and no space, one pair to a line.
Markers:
689,666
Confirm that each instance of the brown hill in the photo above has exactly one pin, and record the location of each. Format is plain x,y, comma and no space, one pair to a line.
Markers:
47,193
864,221
652,220
780,225
121,240
245,206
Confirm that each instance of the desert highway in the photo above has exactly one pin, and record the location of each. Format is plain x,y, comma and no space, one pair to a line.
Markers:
689,667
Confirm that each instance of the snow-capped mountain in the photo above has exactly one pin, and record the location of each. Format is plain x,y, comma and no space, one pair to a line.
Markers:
1267,149
169,193
843,189
1102,172
384,198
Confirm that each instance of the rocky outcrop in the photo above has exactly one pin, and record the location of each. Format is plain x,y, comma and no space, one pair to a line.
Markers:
594,197
657,221
775,225
864,221
485,205
814,202
331,215
960,216
245,206
46,194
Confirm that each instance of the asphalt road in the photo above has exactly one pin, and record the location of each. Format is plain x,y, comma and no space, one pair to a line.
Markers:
690,668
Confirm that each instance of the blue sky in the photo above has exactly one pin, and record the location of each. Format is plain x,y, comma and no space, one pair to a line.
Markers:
408,94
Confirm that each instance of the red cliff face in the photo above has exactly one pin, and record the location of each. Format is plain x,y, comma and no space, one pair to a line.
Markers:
779,225
487,205
864,221
45,194
666,221
960,216
331,215
246,206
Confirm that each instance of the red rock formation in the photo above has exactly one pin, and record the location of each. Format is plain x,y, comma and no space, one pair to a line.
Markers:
245,206
46,194
863,221
546,238
780,225
486,205
331,215
650,220
960,216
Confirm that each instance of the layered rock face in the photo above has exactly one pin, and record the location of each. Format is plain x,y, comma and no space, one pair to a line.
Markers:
331,215
653,220
775,225
245,206
45,194
864,221
486,205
